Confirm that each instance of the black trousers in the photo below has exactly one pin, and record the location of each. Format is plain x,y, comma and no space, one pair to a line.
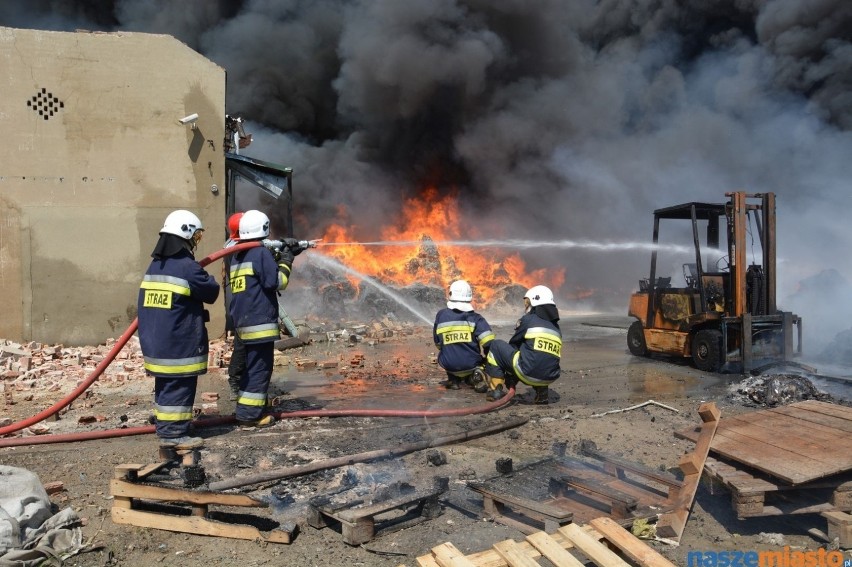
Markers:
254,384
237,366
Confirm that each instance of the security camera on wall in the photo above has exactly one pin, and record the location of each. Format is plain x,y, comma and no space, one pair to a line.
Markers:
191,119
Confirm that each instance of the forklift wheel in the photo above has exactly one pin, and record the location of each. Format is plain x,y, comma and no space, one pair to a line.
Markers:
636,339
706,350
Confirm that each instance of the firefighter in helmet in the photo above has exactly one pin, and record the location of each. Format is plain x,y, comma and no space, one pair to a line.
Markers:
463,338
532,354
172,330
237,364
257,275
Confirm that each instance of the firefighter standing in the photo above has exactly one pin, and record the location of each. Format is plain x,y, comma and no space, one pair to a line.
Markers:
171,320
532,354
256,276
463,338
237,364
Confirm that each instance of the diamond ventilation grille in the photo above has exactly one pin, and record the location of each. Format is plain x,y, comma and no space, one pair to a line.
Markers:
45,104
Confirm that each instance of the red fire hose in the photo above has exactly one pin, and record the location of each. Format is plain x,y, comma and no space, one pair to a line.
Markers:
214,421
108,433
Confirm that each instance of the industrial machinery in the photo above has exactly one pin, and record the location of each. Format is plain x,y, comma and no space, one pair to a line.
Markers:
725,317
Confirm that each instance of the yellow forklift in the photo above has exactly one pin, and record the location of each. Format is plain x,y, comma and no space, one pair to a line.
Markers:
725,317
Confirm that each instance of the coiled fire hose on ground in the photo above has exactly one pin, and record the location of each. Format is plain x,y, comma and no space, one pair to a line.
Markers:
206,422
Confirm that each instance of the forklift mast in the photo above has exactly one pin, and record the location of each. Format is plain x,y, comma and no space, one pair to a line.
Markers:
738,213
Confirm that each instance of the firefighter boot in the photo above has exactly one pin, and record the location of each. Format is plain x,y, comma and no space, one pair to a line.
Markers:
479,381
265,421
234,387
541,395
452,383
495,389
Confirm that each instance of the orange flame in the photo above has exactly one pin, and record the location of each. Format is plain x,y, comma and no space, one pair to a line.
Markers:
426,220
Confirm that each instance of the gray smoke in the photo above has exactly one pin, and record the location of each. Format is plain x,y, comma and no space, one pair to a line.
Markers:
554,119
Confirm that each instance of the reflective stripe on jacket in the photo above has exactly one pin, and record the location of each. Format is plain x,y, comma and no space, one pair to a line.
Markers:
461,336
171,315
539,344
255,281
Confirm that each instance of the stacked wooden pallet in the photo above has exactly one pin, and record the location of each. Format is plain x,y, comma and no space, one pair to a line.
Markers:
569,546
794,459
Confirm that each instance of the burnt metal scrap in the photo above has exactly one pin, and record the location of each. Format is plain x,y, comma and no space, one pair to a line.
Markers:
779,389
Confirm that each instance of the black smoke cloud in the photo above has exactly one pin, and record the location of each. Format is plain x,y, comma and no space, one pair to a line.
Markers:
555,119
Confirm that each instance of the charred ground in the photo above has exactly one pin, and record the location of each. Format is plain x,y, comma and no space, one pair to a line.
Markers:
397,372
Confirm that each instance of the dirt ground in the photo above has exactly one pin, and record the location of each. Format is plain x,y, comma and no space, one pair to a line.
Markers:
598,375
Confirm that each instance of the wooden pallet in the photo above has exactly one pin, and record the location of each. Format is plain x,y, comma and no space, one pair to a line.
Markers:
796,444
794,459
524,514
757,494
570,546
559,490
360,521
131,501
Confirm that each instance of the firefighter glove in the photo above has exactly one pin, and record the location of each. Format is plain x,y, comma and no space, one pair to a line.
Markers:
293,245
284,256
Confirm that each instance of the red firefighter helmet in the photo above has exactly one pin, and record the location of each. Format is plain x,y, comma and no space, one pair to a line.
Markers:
234,226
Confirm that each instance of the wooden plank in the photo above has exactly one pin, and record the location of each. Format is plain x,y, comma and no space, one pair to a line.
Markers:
637,468
514,555
353,514
591,548
123,470
793,422
644,492
490,557
448,555
149,470
525,503
777,462
150,492
595,487
745,482
774,461
813,416
554,552
523,527
671,525
427,561
629,544
195,525
608,499
768,432
836,410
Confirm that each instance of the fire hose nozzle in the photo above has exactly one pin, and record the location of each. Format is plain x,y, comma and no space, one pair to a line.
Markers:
295,245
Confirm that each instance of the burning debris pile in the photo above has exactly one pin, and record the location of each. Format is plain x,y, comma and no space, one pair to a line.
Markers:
778,390
409,290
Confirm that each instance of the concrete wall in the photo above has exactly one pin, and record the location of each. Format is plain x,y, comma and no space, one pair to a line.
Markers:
92,159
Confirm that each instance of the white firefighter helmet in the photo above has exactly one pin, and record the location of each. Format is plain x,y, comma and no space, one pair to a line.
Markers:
539,295
182,223
254,224
460,296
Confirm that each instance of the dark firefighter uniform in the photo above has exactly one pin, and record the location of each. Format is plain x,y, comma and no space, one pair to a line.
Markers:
173,336
461,338
256,279
532,354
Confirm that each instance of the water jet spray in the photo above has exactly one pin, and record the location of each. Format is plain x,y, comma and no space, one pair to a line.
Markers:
330,262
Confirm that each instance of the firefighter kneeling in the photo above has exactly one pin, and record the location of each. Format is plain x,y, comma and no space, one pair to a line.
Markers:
532,354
